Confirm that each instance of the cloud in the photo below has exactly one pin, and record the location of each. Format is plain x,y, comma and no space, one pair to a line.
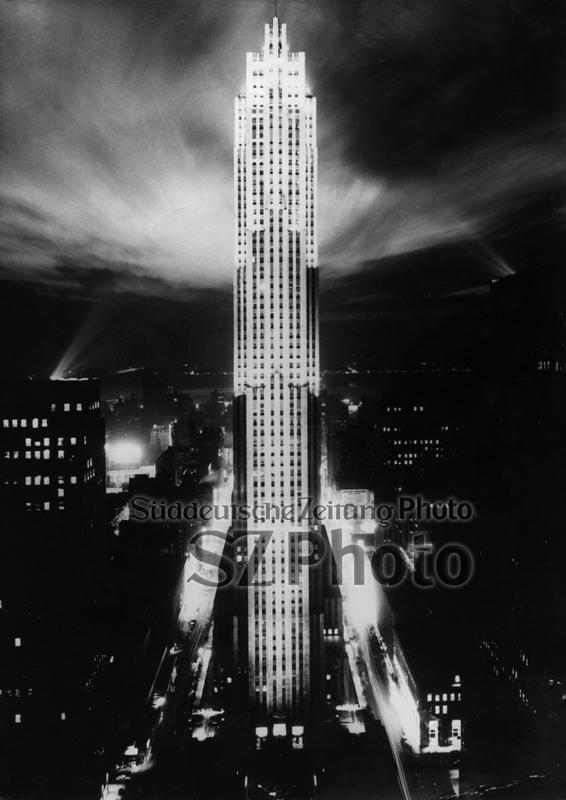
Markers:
464,200
118,128
114,154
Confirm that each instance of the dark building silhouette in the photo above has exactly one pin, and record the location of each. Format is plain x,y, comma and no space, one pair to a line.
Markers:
52,560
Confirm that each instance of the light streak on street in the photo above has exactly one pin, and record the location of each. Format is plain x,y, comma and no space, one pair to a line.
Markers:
363,605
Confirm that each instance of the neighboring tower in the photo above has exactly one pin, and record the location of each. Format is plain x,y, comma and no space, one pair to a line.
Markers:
277,458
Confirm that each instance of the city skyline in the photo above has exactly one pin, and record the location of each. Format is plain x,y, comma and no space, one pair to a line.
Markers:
283,400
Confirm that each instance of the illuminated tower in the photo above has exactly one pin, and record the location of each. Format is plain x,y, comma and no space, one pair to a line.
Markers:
276,364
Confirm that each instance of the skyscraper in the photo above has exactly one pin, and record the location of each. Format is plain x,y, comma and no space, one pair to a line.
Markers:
277,368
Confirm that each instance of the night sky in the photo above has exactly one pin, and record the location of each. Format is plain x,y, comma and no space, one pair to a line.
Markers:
441,167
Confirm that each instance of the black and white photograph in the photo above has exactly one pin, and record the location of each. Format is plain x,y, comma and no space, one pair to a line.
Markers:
283,399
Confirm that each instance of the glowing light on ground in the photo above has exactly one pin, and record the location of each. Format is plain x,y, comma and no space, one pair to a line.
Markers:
124,452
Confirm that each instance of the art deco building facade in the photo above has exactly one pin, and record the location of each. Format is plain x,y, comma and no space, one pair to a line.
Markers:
276,364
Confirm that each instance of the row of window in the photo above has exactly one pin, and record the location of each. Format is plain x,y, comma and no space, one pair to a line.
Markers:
454,696
18,719
45,505
13,455
45,480
37,422
23,423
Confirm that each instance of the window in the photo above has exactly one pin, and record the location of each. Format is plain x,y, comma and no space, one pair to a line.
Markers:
17,642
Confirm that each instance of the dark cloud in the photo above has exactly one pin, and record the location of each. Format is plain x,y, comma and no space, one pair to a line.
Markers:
436,78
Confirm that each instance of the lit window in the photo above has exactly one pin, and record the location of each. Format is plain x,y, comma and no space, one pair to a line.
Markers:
17,718
17,642
67,407
35,423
